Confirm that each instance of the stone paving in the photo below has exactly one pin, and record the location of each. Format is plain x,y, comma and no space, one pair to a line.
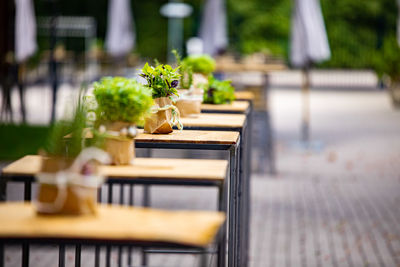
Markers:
336,205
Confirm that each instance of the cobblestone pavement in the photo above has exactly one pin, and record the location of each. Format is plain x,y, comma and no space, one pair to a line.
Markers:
336,205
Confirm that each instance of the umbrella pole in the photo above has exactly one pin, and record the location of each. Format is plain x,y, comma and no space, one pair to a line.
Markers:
305,90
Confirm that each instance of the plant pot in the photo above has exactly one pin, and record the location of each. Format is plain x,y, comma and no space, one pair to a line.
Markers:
199,81
120,148
189,105
63,192
160,121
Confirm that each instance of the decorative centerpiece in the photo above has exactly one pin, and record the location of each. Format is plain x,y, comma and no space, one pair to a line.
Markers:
69,179
218,92
202,66
188,103
163,81
121,104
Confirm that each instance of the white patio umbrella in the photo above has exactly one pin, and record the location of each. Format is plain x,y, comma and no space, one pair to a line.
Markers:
309,44
25,30
120,36
213,28
398,22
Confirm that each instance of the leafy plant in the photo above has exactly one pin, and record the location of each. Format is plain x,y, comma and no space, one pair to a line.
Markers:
121,99
185,71
200,63
162,79
59,146
218,92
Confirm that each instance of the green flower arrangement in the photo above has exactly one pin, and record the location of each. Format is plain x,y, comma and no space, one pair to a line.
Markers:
218,92
185,70
121,99
162,79
57,145
200,64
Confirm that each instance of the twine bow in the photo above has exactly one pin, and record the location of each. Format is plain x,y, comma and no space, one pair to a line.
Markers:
174,111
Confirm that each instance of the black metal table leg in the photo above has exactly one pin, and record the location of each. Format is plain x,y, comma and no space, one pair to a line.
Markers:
108,248
3,188
78,249
146,203
61,256
222,200
232,206
2,254
27,190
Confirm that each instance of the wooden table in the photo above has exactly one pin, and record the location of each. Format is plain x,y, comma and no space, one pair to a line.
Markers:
207,139
191,139
144,171
239,123
244,95
240,107
246,108
113,225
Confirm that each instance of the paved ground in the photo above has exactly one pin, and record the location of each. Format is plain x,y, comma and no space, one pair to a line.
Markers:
336,206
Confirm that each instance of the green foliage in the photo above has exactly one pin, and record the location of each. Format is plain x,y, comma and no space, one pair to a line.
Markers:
389,62
162,79
17,141
121,99
259,26
58,145
200,63
186,72
218,92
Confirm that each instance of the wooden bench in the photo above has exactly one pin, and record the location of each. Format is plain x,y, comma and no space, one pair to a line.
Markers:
113,225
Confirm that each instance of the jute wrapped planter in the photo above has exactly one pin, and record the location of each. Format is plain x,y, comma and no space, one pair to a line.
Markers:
64,191
188,104
160,121
120,148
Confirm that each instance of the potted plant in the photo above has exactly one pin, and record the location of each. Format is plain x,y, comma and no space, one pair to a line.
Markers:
218,92
163,81
121,104
188,103
201,66
68,180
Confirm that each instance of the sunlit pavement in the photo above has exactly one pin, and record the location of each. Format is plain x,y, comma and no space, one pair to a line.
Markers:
339,206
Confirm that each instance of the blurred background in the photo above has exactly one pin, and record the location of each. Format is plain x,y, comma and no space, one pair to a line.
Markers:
326,136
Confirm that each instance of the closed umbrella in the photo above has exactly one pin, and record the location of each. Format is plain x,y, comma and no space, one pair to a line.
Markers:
25,30
398,22
120,37
309,44
213,29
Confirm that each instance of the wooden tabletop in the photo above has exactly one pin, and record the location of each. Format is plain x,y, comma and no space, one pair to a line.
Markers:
142,168
215,120
238,106
191,137
112,223
244,95
243,67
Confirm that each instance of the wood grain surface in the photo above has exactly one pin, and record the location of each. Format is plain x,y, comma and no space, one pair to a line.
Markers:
191,137
238,106
215,120
244,95
190,169
121,223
